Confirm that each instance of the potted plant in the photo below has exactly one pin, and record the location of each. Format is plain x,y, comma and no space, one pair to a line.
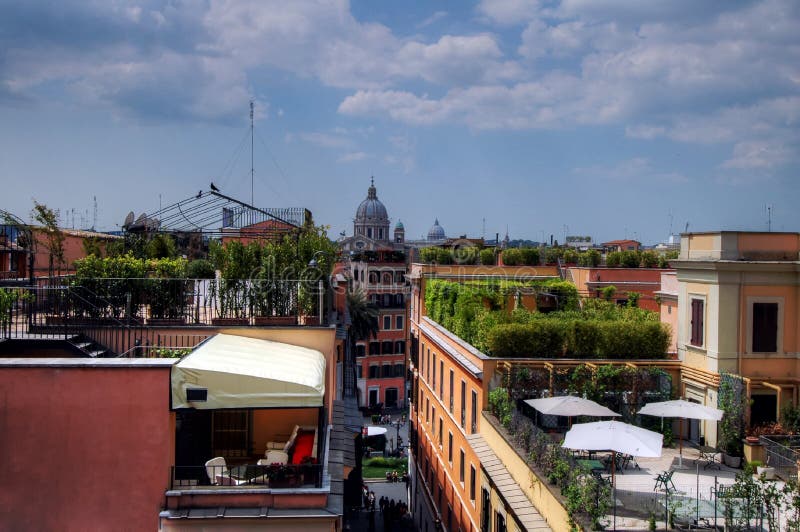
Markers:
731,401
310,470
280,475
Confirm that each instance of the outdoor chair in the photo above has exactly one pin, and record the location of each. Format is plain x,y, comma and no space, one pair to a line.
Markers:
664,481
216,467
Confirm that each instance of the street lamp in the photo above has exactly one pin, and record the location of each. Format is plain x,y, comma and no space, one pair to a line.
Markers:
313,263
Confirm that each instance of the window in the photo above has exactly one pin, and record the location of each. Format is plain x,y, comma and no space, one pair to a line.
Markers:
369,232
399,321
387,347
474,420
374,348
441,381
433,417
360,370
387,323
399,369
765,327
374,371
441,432
450,447
697,323
230,433
451,391
463,404
501,523
461,466
472,483
427,409
434,373
428,360
400,347
486,511
386,371
398,300
361,350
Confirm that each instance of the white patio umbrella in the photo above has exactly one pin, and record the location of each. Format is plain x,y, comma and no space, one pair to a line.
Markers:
375,431
683,410
570,405
616,437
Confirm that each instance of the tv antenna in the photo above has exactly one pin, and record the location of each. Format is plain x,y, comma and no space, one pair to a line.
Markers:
252,167
768,208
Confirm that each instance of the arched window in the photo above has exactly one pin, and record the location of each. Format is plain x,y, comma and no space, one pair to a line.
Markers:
387,278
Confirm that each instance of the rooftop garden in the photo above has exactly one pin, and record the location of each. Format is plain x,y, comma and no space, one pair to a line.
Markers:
544,319
533,256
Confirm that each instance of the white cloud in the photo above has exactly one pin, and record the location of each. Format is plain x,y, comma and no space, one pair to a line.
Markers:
508,12
352,157
439,15
324,140
635,169
757,154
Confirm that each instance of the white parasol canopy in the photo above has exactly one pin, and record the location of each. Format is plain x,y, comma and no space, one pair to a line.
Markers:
614,436
375,431
570,405
683,409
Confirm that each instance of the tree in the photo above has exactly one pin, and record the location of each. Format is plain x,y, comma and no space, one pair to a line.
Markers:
363,322
363,317
54,237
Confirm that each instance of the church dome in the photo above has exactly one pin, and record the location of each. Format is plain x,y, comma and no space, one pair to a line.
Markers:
399,225
436,232
371,209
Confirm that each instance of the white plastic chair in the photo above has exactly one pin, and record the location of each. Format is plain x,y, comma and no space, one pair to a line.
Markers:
216,467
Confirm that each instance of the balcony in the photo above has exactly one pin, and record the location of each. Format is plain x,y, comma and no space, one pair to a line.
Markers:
248,436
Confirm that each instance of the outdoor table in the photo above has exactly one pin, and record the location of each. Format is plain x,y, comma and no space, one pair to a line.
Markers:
591,465
247,472
709,456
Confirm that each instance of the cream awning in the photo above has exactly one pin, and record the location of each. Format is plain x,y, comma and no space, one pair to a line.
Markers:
239,372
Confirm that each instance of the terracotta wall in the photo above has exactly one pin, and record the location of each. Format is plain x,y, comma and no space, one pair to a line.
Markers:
435,452
84,448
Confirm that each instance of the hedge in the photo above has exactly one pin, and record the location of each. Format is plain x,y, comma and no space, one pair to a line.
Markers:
580,339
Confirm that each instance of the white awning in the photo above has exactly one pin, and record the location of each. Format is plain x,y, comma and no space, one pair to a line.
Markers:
230,371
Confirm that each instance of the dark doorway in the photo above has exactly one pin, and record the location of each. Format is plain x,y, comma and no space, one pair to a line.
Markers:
192,444
391,397
763,409
373,397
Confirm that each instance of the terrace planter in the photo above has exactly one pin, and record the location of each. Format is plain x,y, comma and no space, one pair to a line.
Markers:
732,461
160,322
228,322
275,320
767,471
290,481
312,321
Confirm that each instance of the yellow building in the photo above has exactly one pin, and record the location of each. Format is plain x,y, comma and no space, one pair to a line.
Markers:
458,480
739,312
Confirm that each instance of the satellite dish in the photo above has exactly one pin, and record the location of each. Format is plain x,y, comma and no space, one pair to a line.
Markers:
128,220
141,219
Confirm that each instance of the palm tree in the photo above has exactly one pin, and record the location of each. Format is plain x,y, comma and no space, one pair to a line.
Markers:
363,325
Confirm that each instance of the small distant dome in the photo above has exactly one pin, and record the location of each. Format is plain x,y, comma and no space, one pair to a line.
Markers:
399,225
436,232
371,209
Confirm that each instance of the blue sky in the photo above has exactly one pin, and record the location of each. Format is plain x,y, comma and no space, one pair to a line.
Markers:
609,118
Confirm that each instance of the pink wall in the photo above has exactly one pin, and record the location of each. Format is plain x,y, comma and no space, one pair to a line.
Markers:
84,448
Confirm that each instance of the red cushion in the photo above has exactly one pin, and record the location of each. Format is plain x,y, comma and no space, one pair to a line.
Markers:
303,445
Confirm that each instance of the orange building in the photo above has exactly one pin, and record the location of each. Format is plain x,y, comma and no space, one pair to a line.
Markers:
123,444
621,245
15,259
381,361
450,387
590,282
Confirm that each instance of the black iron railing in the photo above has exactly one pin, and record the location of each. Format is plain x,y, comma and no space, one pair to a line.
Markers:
782,452
261,475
